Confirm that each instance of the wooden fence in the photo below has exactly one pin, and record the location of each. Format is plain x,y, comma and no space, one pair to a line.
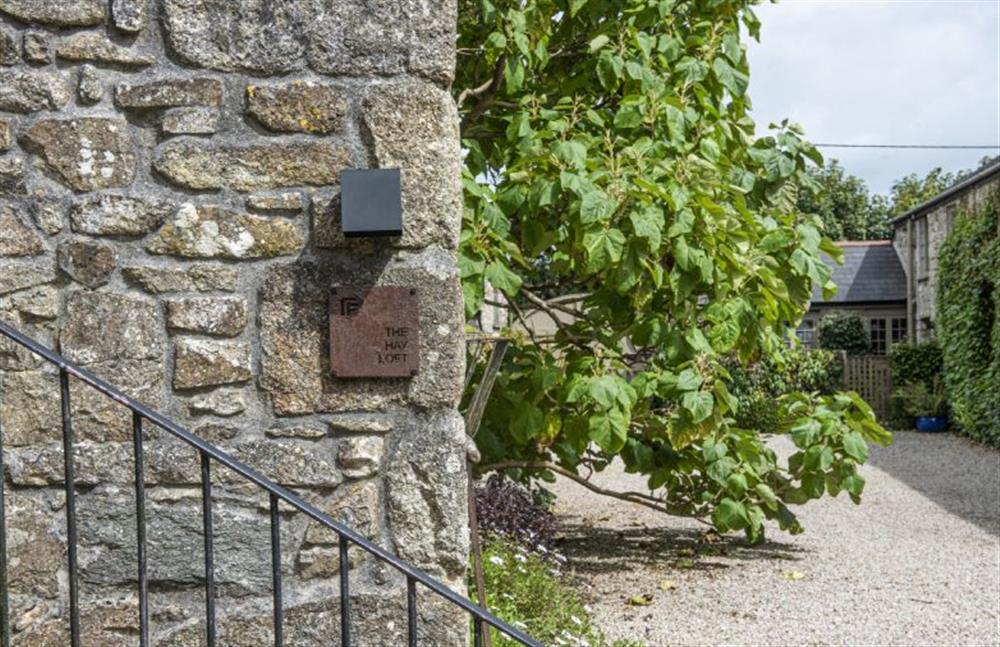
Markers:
871,377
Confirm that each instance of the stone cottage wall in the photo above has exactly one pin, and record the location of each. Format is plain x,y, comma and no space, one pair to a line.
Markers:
169,219
940,220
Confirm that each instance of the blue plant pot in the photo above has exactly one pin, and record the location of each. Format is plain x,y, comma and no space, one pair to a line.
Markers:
932,424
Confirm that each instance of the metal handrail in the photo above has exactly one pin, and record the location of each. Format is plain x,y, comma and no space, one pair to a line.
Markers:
481,617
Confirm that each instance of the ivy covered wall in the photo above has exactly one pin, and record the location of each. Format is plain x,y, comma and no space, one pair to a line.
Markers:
968,323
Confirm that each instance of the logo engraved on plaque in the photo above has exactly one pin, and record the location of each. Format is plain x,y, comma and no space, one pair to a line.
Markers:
350,306
374,332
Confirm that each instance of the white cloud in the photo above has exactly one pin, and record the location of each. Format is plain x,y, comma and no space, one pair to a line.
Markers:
882,72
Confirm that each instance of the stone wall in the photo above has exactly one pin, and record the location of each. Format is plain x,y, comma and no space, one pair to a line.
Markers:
169,220
939,221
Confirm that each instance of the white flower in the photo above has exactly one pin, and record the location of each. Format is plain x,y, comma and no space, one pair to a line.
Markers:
496,559
521,558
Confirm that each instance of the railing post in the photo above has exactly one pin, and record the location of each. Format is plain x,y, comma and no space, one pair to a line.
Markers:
140,531
70,478
206,509
4,597
279,629
477,632
411,611
345,596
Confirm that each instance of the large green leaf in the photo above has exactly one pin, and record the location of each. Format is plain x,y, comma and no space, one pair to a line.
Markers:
699,404
733,80
730,515
648,224
604,247
502,278
855,446
609,430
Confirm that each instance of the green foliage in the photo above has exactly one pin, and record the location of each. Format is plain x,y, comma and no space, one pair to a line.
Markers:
528,592
918,399
844,331
968,323
843,203
916,362
758,386
616,185
912,190
850,212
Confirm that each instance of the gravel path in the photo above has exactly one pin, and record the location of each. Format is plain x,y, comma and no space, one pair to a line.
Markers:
917,563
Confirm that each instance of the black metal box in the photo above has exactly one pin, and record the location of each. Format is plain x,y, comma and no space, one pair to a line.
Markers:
371,202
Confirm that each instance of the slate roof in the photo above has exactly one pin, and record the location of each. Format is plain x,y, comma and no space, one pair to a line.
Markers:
871,273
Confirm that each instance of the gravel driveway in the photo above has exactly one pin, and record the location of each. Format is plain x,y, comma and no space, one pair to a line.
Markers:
917,563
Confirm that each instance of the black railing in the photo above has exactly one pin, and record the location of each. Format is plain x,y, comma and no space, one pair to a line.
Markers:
481,619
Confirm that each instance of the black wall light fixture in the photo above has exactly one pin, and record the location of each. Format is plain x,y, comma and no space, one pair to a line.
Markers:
371,202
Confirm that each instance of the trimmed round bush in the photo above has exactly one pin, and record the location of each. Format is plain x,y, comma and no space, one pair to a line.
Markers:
968,324
844,331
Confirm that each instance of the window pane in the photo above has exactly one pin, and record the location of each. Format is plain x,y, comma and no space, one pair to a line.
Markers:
898,330
877,336
806,332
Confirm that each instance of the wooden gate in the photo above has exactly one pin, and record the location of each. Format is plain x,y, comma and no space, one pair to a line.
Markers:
871,377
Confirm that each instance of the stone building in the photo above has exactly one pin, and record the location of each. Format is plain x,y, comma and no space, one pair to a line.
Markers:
870,282
169,219
919,234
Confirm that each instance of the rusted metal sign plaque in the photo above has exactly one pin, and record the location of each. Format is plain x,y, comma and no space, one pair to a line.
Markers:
374,332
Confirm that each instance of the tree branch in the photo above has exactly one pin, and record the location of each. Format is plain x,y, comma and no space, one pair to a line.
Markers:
473,92
561,326
548,306
632,497
485,92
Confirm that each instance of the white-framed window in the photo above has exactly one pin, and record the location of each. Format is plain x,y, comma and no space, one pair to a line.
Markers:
806,332
897,330
877,336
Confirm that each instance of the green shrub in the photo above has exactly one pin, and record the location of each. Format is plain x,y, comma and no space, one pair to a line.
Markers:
968,323
815,370
756,387
844,331
528,592
919,399
916,363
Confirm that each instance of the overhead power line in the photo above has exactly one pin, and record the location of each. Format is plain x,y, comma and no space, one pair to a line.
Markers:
926,146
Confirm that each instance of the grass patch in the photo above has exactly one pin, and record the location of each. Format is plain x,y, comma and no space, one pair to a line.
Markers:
530,593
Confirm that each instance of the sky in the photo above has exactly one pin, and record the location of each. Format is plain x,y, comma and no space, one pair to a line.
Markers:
882,72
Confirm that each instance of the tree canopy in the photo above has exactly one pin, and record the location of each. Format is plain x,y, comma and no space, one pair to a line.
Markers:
850,211
844,204
616,187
